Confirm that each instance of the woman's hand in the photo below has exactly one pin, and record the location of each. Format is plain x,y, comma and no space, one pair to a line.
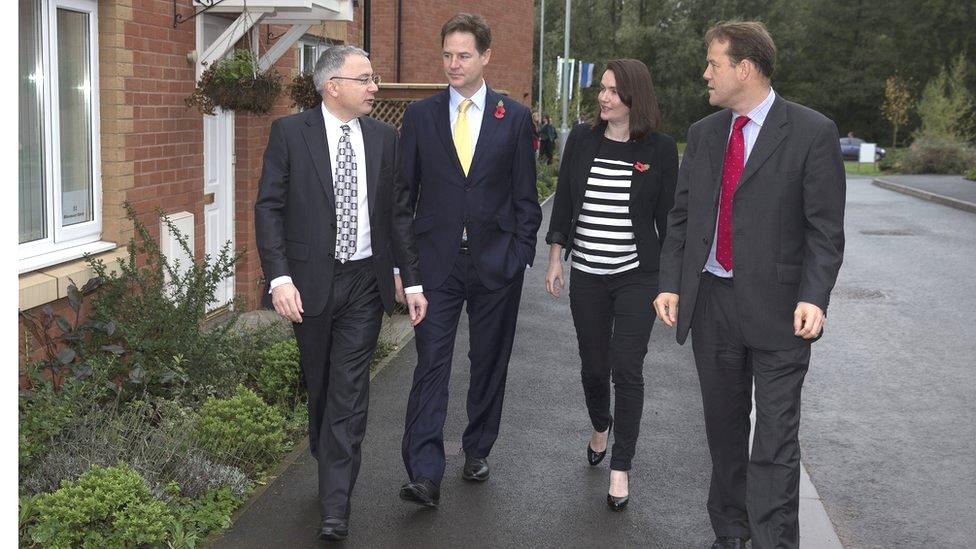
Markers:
554,274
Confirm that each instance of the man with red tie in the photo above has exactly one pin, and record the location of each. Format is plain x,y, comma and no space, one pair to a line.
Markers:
754,244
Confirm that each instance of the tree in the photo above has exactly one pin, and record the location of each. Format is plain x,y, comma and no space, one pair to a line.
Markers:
947,105
898,101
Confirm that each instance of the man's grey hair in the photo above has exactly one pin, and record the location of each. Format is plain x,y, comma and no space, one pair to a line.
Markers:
331,61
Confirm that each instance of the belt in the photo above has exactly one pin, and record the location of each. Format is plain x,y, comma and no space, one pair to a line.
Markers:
350,265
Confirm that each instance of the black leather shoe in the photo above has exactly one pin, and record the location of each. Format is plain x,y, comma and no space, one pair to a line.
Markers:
727,542
422,492
594,457
334,529
617,504
475,469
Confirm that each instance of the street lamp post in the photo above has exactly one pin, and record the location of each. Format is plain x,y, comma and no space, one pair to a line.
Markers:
563,128
542,39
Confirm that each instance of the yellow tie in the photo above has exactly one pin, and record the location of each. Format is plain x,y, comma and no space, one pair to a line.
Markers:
462,136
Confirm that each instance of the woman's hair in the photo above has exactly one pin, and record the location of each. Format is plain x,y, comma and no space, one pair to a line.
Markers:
636,90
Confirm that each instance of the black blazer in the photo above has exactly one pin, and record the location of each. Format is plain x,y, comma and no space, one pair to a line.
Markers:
497,201
787,221
651,192
294,215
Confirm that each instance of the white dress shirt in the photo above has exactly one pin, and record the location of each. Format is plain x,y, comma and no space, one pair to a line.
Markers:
475,112
750,132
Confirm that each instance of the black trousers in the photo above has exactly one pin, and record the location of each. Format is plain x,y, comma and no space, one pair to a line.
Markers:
546,149
613,315
336,348
492,315
753,495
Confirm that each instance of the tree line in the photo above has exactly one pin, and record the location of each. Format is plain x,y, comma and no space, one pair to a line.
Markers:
838,57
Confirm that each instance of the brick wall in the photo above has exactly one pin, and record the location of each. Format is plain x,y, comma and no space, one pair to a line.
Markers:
152,143
512,26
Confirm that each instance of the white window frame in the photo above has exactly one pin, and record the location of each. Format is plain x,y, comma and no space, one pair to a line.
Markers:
319,43
60,238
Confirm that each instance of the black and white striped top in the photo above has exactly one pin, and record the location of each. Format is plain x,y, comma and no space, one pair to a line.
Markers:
604,241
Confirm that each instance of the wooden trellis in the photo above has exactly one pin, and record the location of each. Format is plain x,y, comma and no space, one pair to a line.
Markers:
390,110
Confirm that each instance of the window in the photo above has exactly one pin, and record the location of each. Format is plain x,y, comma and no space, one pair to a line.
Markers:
309,50
59,167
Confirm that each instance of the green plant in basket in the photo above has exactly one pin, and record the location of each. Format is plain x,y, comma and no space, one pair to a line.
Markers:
235,83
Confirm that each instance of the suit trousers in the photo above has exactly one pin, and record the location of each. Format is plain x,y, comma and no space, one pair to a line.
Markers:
336,348
753,494
613,320
492,315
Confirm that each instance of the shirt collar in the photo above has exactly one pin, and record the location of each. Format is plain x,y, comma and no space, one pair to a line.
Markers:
333,124
758,114
478,98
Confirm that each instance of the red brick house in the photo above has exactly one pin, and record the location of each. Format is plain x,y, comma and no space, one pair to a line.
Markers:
103,118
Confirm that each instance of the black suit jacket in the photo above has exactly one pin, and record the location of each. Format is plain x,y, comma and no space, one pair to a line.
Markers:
497,201
787,221
651,194
294,215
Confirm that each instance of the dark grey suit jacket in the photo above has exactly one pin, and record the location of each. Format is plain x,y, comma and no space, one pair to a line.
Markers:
295,219
787,221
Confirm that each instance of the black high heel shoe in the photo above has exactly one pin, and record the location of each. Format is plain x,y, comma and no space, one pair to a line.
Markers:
594,458
617,504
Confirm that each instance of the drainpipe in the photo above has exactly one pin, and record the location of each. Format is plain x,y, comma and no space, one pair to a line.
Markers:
399,36
367,24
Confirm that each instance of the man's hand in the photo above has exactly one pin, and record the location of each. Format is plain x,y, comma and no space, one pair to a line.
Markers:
666,305
400,296
808,320
287,302
417,307
554,277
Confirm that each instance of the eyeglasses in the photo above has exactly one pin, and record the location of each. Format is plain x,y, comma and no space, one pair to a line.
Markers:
363,81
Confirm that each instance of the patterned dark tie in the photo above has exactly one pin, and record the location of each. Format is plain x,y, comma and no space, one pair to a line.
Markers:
731,173
346,192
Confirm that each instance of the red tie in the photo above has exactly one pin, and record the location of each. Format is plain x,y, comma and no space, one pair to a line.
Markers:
731,172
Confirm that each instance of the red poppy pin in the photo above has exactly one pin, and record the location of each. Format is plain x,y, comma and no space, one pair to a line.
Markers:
641,167
500,110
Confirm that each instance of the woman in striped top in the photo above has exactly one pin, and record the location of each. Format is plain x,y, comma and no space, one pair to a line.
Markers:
616,185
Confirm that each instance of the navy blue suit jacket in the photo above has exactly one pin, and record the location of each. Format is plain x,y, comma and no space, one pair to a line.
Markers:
497,201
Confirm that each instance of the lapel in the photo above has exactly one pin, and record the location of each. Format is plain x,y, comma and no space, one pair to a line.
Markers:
318,149
587,153
643,152
489,124
771,134
442,125
716,143
373,145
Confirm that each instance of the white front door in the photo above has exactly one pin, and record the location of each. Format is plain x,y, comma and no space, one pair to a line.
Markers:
218,193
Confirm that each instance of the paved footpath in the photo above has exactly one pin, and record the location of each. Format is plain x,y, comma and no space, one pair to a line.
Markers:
889,415
541,492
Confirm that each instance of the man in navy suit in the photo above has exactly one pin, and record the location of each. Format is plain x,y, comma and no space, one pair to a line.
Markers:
466,155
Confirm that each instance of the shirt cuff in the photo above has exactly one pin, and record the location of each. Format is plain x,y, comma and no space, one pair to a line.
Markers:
279,281
413,290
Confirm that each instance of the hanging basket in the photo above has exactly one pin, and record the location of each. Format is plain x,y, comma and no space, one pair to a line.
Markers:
235,84
303,93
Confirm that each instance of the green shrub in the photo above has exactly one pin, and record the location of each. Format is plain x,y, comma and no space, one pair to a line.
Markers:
242,431
149,436
972,174
892,162
156,308
938,156
106,507
209,512
279,380
48,408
